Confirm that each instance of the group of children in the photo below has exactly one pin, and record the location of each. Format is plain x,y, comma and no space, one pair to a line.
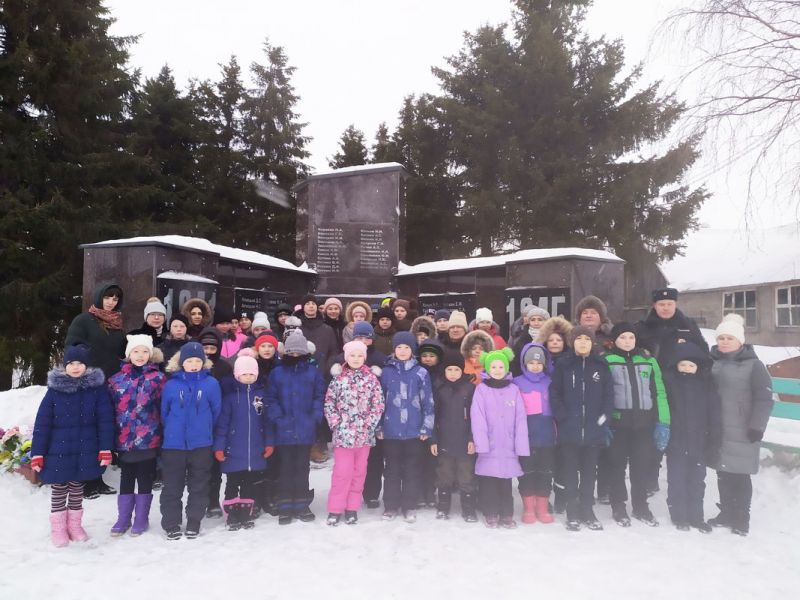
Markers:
468,418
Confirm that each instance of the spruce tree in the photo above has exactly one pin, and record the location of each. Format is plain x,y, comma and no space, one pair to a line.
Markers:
553,144
275,148
352,149
381,149
63,91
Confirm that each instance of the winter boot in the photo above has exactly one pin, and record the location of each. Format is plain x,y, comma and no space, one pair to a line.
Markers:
508,523
105,489
333,519
542,505
74,528
285,516
303,510
492,521
644,515
141,520
740,524
410,516
58,529
620,515
246,508
468,508
443,508
192,529
529,509
701,526
350,517
723,519
232,514
125,503
590,520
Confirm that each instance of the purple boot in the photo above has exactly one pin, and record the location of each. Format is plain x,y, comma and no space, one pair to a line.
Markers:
142,519
124,512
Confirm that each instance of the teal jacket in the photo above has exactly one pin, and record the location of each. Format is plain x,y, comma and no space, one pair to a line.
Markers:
640,397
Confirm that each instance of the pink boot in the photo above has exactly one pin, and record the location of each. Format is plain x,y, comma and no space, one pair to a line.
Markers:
528,509
58,529
76,532
543,509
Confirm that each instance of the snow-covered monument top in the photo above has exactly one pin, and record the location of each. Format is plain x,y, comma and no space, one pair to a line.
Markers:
350,231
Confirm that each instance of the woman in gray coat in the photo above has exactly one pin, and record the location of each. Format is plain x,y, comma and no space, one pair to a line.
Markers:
746,391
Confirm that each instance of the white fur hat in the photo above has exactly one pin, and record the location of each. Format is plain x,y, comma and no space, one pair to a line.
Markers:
134,341
733,325
483,314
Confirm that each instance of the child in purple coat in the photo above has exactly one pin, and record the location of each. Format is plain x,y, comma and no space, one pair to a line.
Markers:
500,434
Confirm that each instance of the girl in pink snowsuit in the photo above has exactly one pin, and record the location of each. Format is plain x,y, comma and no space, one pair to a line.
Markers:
353,407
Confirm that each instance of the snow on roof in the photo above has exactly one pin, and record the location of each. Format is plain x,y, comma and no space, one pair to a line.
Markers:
193,243
330,173
482,262
185,277
720,258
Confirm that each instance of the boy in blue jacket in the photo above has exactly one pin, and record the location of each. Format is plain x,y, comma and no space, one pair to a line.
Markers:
581,398
406,423
243,440
190,405
295,397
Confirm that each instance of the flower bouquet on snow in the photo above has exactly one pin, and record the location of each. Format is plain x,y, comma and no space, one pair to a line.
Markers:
15,452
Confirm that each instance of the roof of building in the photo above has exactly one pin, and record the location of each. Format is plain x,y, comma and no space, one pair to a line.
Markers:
724,258
203,245
484,262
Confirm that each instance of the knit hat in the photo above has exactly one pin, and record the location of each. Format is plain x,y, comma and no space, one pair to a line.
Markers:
504,355
306,299
354,346
296,342
134,341
221,316
451,358
457,319
432,346
260,319
535,353
245,314
620,328
363,329
283,309
440,314
77,353
330,301
192,350
483,314
266,338
404,337
386,302
536,311
244,365
579,330
208,339
385,313
402,303
154,305
180,318
733,325
665,294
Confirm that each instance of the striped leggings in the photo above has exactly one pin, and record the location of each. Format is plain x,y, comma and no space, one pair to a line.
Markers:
66,495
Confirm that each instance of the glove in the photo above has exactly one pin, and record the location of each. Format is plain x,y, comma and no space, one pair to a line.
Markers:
754,435
37,463
661,436
104,456
219,455
268,451
609,435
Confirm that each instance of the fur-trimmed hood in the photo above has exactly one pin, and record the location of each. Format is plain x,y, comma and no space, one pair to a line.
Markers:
337,368
423,322
174,364
208,314
58,380
479,336
554,325
348,313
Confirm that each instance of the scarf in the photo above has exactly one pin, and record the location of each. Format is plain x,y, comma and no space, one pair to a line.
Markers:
109,319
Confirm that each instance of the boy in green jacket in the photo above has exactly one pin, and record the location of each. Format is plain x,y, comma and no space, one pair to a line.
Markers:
639,423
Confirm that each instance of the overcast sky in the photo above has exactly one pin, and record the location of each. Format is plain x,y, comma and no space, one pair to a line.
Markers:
357,59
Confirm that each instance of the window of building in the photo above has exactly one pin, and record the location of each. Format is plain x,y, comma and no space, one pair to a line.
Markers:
787,306
742,303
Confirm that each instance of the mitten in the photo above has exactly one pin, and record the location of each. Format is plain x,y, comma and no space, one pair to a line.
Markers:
219,455
268,450
37,463
754,435
104,456
661,436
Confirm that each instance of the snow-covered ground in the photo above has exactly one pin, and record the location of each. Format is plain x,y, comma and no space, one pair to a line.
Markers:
375,559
